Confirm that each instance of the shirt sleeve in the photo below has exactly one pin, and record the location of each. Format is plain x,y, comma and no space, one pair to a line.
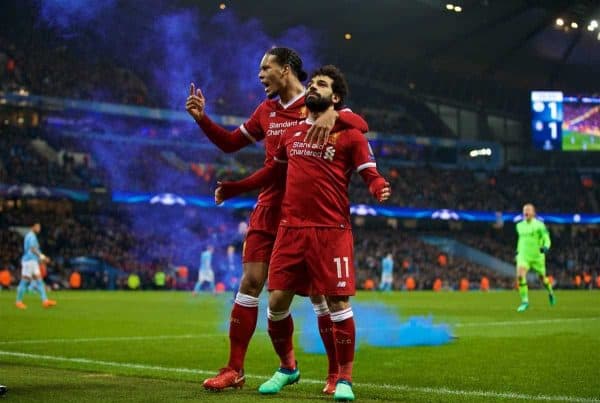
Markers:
362,154
252,128
545,236
351,119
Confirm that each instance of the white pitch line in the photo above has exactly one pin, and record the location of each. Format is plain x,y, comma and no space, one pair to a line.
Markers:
523,322
209,335
115,338
398,388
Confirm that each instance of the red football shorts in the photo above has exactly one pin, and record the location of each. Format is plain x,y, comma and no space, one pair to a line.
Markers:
261,234
313,261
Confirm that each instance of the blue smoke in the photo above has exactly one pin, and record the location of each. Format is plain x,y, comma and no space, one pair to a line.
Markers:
168,48
376,325
172,47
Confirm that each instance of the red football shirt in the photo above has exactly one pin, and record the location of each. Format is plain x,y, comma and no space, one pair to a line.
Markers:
270,119
318,177
268,122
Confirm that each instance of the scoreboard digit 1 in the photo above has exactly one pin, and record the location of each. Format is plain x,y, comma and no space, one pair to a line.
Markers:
546,119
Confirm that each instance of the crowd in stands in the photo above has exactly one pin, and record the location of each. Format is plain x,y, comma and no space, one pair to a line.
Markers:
427,187
57,71
133,239
575,250
415,259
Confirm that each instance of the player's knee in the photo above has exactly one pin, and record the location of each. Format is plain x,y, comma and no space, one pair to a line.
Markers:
280,300
253,279
317,299
338,303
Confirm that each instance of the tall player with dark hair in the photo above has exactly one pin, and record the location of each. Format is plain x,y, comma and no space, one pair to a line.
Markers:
281,74
314,245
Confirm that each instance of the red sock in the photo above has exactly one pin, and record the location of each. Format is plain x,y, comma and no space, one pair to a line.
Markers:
241,328
344,336
281,332
326,332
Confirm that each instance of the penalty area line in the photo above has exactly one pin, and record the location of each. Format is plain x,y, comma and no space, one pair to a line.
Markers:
398,388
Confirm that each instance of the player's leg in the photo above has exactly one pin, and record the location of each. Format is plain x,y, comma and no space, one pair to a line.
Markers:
281,331
197,287
22,287
540,268
331,269
522,268
46,302
242,324
256,255
287,276
344,333
326,331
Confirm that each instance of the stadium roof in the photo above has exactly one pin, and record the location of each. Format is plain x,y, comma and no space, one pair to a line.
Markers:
516,40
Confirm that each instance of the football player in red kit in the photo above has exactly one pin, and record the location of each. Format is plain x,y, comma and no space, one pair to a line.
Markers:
314,246
282,75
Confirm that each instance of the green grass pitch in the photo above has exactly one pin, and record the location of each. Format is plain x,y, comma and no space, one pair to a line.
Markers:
574,141
158,346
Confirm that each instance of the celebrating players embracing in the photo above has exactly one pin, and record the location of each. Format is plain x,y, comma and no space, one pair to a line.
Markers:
313,251
282,75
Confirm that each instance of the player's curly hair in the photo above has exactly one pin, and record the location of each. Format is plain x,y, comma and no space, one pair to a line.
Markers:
291,58
339,85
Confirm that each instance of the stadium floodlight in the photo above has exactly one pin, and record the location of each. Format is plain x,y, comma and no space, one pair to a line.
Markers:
458,9
590,28
594,23
574,25
560,22
222,6
449,6
347,36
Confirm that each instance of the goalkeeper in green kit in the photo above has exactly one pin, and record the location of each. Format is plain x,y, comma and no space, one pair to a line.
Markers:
533,244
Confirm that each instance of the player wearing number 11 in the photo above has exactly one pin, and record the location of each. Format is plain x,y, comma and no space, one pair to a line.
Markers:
313,251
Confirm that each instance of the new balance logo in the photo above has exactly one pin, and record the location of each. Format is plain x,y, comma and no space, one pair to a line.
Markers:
329,154
341,284
272,114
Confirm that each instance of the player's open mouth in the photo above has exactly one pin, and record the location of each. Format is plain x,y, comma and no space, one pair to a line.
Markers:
267,86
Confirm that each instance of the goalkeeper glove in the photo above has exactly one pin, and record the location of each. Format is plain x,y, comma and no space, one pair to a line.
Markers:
544,249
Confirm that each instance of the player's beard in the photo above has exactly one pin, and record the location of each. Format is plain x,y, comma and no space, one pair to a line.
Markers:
317,103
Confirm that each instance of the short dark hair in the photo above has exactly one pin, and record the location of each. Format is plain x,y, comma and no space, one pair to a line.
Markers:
291,58
339,85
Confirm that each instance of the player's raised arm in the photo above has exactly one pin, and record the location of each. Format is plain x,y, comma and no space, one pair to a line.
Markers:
227,141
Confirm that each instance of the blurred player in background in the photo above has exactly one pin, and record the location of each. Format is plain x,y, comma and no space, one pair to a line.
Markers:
533,244
387,273
30,268
314,248
206,273
281,74
232,269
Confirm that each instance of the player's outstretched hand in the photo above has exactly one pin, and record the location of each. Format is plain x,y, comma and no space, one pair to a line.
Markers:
195,102
380,189
385,193
318,134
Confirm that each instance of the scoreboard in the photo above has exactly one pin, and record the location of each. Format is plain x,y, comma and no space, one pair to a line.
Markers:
547,119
